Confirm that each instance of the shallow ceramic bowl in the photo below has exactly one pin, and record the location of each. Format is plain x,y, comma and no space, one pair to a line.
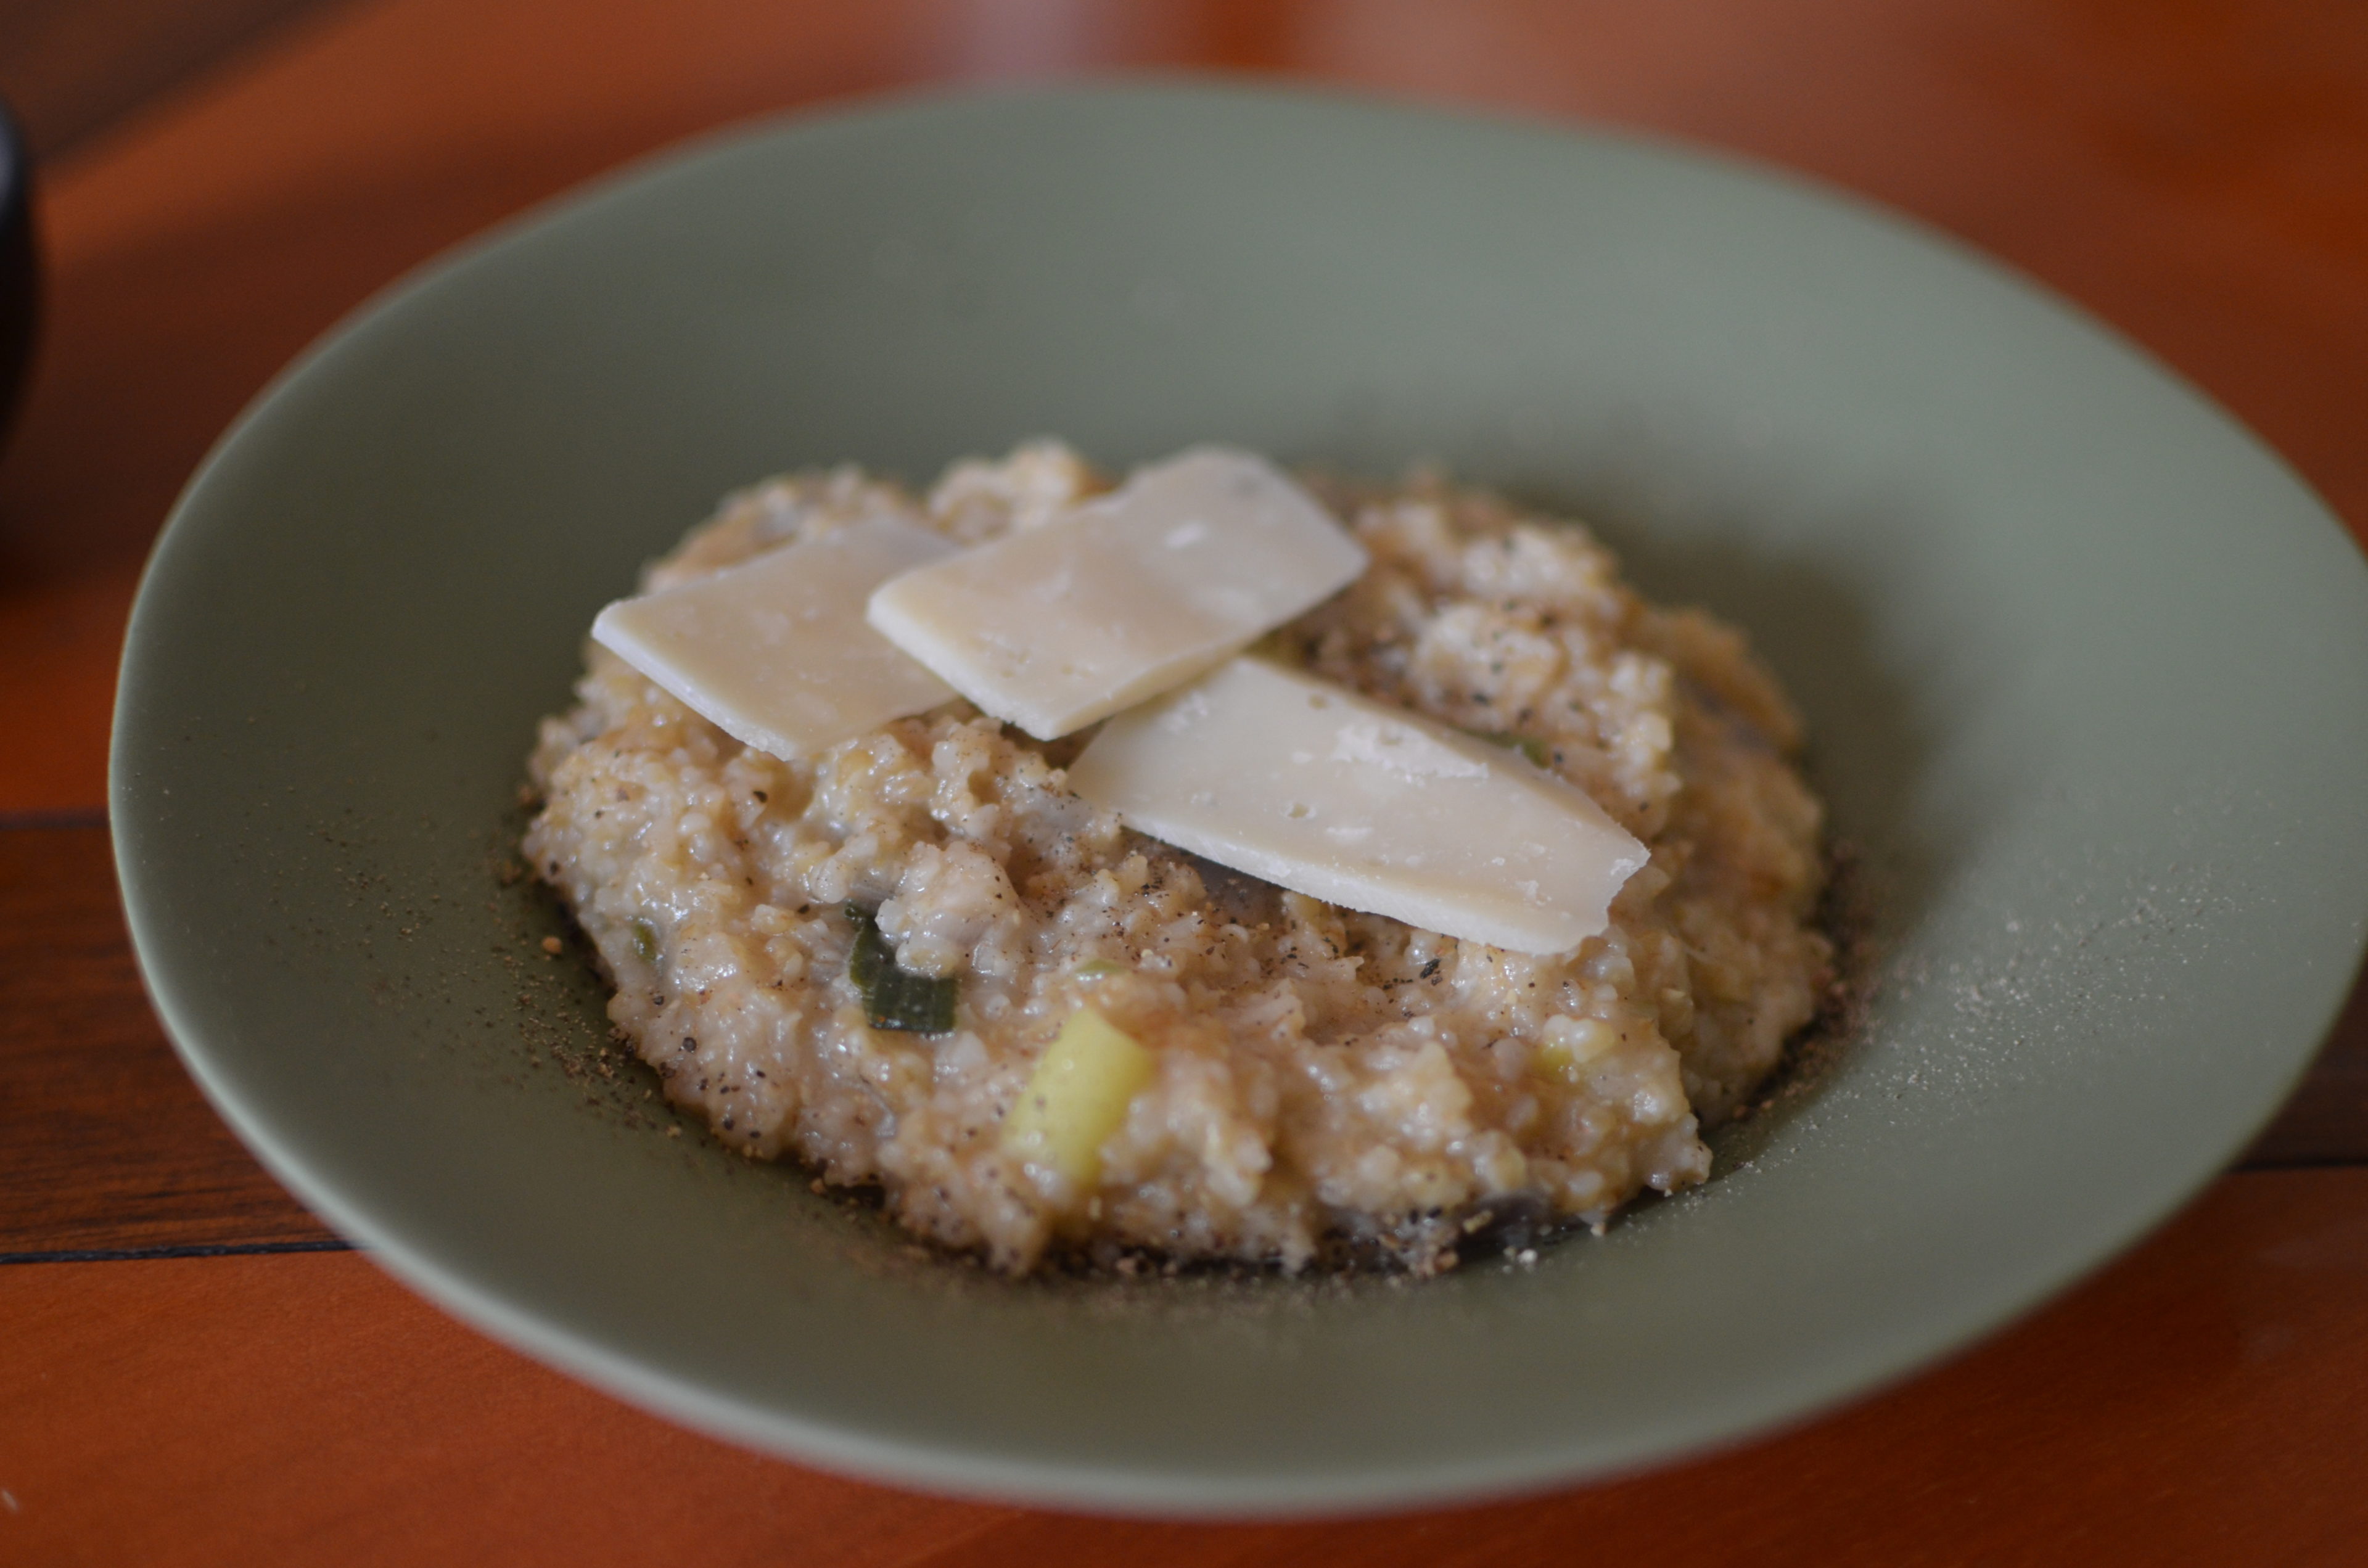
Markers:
2087,669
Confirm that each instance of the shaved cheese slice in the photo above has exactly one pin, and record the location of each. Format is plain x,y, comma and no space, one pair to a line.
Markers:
776,650
1328,793
1129,595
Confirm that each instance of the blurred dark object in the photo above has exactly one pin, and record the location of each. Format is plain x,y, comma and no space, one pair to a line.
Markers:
19,286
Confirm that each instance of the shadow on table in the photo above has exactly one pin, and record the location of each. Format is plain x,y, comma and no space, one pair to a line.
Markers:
2326,1121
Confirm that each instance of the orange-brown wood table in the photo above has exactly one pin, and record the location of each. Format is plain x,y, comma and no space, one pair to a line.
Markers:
193,1370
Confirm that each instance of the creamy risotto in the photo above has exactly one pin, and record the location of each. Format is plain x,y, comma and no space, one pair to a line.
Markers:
1316,1084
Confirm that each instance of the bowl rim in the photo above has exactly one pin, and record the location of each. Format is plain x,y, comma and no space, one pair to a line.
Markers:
957,1470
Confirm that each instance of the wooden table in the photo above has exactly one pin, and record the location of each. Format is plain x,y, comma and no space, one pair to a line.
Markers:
193,1370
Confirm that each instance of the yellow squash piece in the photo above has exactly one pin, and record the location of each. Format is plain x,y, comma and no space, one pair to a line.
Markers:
1077,1097
1572,1048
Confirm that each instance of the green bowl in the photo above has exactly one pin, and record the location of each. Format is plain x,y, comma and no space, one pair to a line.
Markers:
2086,667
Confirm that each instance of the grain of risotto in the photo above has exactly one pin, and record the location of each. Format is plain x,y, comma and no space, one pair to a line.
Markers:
1321,1084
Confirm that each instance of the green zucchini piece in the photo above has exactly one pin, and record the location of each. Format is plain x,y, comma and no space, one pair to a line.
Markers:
1528,745
894,996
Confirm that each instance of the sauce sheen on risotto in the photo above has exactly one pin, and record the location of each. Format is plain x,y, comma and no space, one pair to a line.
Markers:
1320,1083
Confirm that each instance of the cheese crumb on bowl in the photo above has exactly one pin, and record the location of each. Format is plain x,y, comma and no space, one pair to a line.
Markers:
1478,889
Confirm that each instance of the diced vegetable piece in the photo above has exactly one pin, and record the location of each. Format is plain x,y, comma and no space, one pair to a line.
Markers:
1571,1047
645,941
1529,746
1077,1097
895,998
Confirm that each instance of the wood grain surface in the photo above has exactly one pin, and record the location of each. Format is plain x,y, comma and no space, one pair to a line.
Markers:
70,68
105,1144
2196,1404
2195,173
